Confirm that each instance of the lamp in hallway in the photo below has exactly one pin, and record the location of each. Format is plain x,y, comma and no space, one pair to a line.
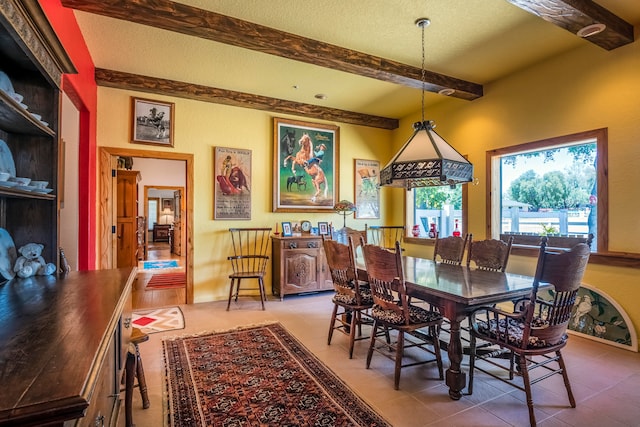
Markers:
426,159
166,213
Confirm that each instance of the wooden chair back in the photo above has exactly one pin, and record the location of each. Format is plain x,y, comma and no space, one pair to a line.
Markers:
450,250
489,254
386,278
250,248
384,236
547,319
532,239
342,265
355,235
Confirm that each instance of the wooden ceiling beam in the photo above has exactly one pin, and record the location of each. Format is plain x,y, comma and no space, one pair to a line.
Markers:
128,81
572,15
209,25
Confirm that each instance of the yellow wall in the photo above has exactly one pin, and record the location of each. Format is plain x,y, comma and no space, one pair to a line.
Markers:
585,89
199,127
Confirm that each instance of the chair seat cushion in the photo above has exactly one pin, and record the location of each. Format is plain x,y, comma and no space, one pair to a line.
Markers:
496,329
365,296
416,315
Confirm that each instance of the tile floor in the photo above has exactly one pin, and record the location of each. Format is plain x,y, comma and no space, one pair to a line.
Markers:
605,379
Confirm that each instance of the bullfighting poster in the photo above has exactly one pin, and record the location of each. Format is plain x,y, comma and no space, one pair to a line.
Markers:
232,195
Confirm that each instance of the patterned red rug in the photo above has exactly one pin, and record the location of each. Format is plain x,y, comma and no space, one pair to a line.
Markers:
167,281
258,375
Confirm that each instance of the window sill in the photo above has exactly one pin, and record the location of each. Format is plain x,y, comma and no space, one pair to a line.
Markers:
424,241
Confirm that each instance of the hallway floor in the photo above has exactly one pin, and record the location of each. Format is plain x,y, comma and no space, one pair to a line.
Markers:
605,379
151,298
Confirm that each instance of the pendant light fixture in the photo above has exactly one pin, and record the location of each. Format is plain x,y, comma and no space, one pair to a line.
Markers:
426,160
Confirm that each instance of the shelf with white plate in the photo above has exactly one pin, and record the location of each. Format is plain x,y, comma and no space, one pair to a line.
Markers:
15,118
30,194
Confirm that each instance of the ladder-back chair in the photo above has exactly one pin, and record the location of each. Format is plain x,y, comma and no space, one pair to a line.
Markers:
392,311
352,296
249,260
535,335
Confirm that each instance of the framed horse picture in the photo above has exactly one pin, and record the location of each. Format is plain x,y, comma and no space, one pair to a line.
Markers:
305,166
151,122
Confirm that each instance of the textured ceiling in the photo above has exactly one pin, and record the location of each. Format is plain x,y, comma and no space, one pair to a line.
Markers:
474,40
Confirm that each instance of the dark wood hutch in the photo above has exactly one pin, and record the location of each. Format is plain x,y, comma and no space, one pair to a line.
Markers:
63,339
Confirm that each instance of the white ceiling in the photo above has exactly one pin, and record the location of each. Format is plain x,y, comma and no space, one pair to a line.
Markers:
475,40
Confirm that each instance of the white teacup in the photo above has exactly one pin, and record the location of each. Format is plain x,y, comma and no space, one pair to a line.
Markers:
40,184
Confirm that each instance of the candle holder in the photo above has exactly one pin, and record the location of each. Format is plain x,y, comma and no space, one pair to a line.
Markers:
344,208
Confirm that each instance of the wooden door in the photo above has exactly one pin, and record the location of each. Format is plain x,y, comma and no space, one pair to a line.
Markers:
126,213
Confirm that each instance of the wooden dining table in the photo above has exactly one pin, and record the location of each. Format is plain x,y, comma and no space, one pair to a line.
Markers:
456,291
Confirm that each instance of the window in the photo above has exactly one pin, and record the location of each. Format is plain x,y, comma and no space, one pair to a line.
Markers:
555,186
440,207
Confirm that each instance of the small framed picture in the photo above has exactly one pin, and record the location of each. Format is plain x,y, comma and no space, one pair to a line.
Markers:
151,122
287,231
323,228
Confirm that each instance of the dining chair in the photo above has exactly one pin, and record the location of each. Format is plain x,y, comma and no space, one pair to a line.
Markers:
352,298
450,250
415,326
384,236
534,335
489,254
249,260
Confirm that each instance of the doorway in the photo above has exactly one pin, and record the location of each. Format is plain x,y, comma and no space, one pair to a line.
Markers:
182,199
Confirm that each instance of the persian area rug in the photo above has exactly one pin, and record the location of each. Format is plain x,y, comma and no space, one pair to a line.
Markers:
151,265
158,319
166,281
255,376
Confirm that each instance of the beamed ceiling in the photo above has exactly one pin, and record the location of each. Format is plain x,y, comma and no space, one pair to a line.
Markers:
365,56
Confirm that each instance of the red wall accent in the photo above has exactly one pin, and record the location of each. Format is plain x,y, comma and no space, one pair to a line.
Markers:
82,90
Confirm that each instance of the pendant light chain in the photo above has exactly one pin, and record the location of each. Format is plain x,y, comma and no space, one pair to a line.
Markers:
424,73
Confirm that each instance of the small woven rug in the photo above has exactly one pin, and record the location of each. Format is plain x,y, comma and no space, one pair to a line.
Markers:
255,376
158,319
152,265
166,281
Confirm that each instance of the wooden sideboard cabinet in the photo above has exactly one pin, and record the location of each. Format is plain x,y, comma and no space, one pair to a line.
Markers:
161,232
63,348
299,265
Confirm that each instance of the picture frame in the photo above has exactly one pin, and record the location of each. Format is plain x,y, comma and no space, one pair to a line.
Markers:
232,183
366,188
323,228
305,166
287,231
152,122
166,204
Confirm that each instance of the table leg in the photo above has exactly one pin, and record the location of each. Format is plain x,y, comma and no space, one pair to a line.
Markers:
455,378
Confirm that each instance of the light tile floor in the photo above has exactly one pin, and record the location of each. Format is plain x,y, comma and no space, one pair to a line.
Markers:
605,379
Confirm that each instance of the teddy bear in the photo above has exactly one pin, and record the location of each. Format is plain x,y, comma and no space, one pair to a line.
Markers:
31,263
